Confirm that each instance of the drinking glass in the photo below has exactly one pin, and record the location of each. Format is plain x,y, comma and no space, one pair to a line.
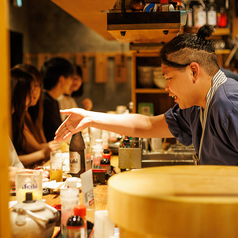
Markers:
56,166
28,181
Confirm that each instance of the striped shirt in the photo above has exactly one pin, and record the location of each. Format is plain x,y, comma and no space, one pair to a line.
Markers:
217,81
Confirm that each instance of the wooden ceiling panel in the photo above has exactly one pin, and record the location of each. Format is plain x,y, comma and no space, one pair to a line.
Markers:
90,13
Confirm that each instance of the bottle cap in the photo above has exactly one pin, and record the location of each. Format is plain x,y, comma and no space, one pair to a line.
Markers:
71,182
80,210
107,156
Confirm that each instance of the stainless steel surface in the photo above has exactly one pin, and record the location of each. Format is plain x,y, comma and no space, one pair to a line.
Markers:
154,159
177,154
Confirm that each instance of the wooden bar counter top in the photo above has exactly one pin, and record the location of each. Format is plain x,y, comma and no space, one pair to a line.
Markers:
175,202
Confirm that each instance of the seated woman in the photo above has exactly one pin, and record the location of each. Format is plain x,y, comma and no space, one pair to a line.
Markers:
33,127
22,88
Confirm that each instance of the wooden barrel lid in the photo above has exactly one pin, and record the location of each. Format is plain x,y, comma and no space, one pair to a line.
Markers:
176,201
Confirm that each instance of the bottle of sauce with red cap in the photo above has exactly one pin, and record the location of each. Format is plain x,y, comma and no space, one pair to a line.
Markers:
80,210
75,227
105,163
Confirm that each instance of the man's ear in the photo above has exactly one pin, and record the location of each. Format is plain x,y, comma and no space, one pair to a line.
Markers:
195,69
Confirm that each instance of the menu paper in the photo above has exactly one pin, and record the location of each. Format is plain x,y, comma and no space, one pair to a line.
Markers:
87,188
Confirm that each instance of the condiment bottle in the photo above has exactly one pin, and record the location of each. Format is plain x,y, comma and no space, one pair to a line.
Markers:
76,155
105,163
97,154
88,156
80,210
164,5
211,13
75,227
222,18
199,15
71,182
69,198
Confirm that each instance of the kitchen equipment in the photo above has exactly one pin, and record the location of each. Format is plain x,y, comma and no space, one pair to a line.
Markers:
134,158
33,218
129,158
175,201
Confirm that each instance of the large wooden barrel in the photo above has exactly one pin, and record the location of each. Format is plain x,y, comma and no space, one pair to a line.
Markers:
175,201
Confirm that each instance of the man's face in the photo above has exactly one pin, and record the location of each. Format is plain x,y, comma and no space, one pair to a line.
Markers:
179,84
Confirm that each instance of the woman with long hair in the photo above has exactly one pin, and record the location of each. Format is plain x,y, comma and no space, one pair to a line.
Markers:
33,128
22,95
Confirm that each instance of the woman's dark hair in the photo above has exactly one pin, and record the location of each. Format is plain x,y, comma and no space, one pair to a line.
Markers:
79,72
36,112
21,83
53,69
186,48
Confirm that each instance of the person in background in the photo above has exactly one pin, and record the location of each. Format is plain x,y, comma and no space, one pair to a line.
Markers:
14,160
57,80
206,109
67,101
229,73
33,128
22,88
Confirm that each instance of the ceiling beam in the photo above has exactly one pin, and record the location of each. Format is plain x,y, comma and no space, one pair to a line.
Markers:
90,13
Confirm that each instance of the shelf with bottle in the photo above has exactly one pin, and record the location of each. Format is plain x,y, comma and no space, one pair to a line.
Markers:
207,12
148,83
217,31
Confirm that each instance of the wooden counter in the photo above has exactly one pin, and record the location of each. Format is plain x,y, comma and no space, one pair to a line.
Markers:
175,202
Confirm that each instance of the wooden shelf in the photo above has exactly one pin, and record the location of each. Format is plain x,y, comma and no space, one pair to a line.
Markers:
150,90
217,32
223,52
144,27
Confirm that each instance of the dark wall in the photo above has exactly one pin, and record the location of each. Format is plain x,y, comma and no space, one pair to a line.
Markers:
46,28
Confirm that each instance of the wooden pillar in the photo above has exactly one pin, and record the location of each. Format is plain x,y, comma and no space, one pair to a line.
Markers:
4,119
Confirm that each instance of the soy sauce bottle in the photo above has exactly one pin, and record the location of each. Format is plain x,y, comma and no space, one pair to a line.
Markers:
77,155
75,227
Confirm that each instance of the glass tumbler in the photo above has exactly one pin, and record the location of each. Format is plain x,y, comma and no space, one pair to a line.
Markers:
28,181
56,166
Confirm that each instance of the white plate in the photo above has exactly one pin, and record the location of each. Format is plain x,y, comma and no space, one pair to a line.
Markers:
53,184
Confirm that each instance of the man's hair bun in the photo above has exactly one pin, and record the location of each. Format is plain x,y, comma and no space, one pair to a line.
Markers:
205,31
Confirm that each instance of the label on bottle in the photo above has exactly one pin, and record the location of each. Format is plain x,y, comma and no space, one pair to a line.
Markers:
212,18
190,19
75,162
199,17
